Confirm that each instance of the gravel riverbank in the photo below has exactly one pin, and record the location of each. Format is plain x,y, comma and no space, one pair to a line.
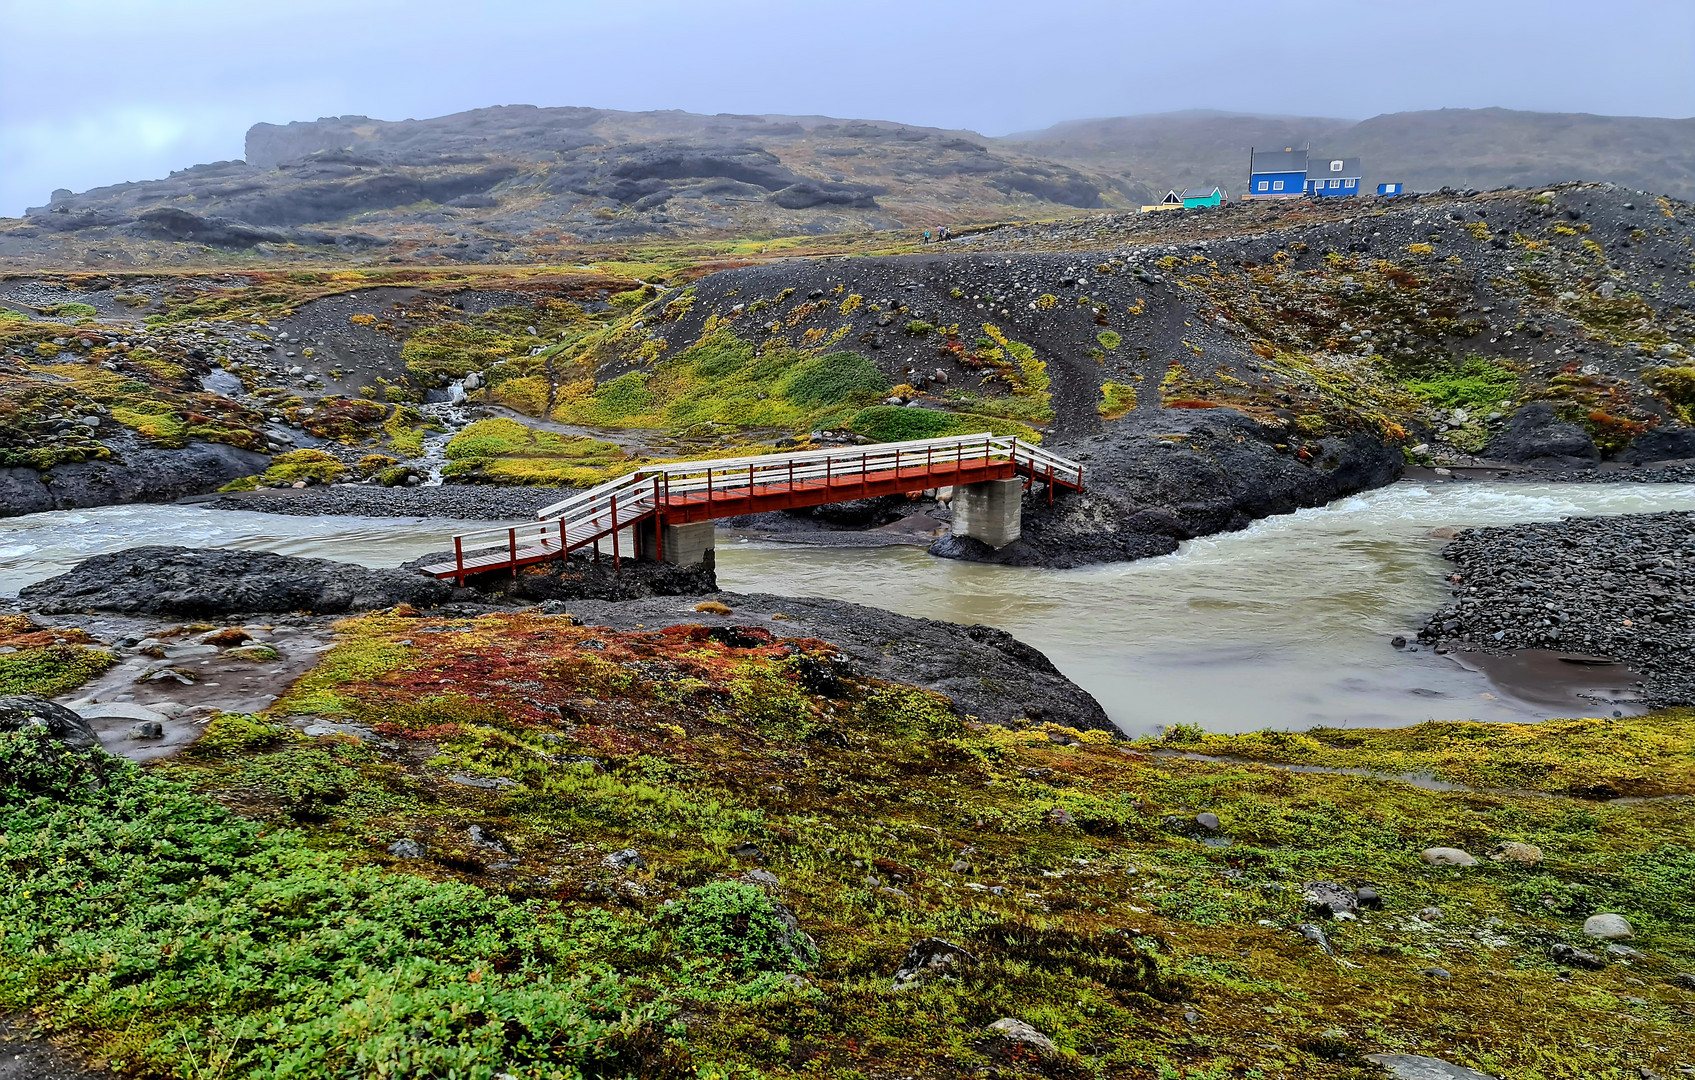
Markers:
469,501
1619,587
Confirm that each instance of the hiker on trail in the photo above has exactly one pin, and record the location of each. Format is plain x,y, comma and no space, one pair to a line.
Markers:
926,236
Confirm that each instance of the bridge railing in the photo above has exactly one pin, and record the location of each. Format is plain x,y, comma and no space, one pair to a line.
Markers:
838,465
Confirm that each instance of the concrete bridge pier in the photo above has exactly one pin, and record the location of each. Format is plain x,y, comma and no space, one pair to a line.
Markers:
989,511
684,545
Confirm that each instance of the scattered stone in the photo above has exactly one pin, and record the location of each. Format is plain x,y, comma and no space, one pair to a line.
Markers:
1447,856
1608,927
1207,821
932,958
407,849
1367,897
1315,934
1684,979
1567,954
1625,952
762,877
1430,914
485,839
147,729
1436,973
1516,853
627,859
1416,1067
1329,898
488,782
1018,1031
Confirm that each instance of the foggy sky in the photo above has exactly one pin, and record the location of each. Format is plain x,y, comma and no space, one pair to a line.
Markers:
95,92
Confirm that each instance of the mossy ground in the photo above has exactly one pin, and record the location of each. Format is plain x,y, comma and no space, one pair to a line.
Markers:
1070,867
156,396
44,661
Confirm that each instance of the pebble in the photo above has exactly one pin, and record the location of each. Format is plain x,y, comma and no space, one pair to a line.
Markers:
406,849
1019,1032
1567,954
1430,914
628,859
1208,821
1517,854
1436,973
1620,587
1447,856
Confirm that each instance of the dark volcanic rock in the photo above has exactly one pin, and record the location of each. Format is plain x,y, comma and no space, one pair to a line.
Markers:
175,223
137,474
1146,491
1661,444
183,582
584,579
1536,436
1617,587
986,672
21,712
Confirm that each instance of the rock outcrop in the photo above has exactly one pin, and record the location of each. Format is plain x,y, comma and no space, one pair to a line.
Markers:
180,582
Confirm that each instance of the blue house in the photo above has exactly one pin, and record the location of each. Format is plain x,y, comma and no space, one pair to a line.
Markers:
1333,177
1396,188
1277,174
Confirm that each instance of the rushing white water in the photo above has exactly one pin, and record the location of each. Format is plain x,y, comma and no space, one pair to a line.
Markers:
1285,624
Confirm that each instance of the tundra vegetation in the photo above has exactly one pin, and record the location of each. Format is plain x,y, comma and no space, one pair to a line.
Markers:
703,850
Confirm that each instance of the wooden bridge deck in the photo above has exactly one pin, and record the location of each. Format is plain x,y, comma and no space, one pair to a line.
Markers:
695,491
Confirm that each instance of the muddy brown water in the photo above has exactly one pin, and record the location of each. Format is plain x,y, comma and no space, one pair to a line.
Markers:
1285,624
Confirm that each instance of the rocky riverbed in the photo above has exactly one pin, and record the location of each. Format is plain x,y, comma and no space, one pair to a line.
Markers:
1616,587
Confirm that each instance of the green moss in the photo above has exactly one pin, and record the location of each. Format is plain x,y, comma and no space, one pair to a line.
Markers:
1117,399
505,451
1677,386
300,464
1109,339
1474,383
1634,755
236,949
895,423
51,670
725,380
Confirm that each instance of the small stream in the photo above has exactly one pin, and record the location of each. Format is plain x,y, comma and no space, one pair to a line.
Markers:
1285,624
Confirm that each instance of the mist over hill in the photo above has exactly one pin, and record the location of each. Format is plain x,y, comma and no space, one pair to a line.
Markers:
518,183
1459,148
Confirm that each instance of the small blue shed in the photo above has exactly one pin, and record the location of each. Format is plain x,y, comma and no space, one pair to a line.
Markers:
1329,178
1396,188
1277,174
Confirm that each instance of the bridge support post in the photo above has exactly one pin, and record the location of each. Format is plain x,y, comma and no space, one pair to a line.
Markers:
680,545
989,510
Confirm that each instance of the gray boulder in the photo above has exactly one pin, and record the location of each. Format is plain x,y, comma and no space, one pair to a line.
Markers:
1536,436
24,712
1415,1067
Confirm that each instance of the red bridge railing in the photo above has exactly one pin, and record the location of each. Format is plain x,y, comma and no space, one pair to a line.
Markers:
691,491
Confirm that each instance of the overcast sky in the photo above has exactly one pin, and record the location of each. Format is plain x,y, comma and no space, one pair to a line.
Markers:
96,92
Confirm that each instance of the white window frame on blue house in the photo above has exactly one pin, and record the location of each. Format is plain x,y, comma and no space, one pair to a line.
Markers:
1264,185
1277,185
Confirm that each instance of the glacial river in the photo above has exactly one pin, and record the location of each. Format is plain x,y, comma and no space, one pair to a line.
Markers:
1285,624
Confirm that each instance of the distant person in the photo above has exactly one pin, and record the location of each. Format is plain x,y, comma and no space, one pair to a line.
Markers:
926,236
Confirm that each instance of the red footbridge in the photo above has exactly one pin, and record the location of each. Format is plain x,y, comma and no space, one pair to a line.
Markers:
665,512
